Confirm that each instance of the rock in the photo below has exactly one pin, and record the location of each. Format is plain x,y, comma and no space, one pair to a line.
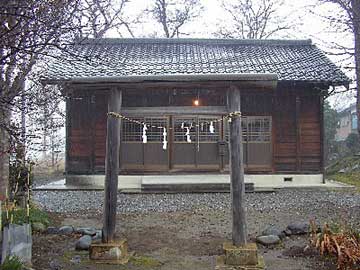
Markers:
55,265
52,230
66,230
83,243
297,228
86,231
268,240
76,259
38,227
98,235
272,230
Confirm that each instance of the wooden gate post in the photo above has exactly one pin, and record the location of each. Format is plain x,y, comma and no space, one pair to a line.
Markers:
111,166
237,171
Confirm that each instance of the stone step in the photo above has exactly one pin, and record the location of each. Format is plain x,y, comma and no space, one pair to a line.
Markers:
191,187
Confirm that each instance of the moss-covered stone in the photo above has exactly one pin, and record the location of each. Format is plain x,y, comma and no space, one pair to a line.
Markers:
244,255
145,262
116,252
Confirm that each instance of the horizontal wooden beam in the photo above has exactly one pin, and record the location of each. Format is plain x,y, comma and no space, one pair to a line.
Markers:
143,86
178,110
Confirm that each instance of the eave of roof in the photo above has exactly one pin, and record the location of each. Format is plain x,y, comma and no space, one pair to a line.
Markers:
172,78
267,42
190,59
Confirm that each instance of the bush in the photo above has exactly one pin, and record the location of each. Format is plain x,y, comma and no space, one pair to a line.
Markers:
340,242
352,143
20,217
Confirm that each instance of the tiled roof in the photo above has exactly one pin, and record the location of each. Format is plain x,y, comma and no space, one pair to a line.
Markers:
291,60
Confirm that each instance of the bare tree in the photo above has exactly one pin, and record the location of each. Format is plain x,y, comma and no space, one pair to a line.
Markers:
253,19
28,29
347,21
46,118
172,15
100,16
31,30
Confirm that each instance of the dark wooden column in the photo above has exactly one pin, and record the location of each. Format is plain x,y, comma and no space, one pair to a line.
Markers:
237,171
111,166
322,139
298,133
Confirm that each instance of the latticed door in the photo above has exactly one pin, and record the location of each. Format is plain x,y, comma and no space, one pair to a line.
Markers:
138,155
257,145
195,142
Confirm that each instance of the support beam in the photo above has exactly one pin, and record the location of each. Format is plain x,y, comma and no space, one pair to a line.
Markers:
298,133
322,139
111,166
237,171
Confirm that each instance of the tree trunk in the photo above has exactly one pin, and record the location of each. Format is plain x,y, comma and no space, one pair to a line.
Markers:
52,143
23,123
355,4
5,115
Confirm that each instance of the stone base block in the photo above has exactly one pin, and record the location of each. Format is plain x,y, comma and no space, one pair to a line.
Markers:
220,265
244,255
111,253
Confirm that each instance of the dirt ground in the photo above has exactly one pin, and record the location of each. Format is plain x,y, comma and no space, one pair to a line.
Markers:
175,241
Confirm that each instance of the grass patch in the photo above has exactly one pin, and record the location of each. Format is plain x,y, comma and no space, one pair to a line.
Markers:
352,178
146,262
11,263
351,163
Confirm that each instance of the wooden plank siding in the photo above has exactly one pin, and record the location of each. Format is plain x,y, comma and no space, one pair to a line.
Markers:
79,135
297,143
296,148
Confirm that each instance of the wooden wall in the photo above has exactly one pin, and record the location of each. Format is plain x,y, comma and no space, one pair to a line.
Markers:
297,132
86,133
296,120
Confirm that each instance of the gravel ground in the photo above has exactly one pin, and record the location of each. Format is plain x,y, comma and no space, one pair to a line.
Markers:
78,201
186,231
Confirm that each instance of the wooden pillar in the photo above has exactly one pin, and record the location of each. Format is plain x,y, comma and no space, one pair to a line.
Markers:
237,171
298,133
322,139
111,166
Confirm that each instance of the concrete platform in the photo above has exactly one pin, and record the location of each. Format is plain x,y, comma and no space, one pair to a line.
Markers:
182,183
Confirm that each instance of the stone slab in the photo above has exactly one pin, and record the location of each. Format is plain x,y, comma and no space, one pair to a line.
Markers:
244,255
110,253
220,265
134,183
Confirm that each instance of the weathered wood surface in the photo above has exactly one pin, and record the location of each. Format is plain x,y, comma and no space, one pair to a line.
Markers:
282,107
297,142
111,167
237,171
322,140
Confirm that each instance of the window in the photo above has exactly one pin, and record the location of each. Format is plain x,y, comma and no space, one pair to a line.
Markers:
259,129
204,130
132,132
181,125
199,129
254,129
